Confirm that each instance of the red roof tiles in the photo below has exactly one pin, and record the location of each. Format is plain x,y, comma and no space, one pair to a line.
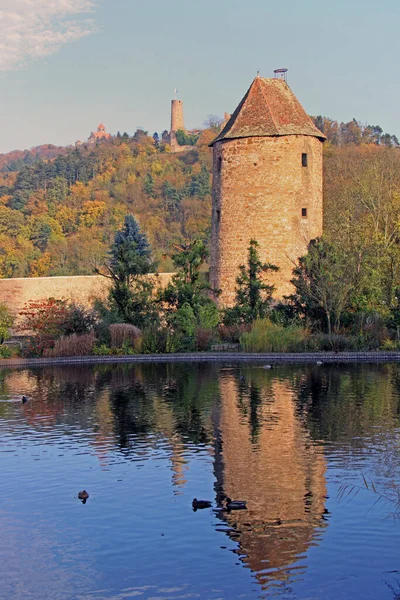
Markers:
269,108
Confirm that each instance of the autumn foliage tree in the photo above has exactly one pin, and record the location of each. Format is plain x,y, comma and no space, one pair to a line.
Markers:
48,319
60,212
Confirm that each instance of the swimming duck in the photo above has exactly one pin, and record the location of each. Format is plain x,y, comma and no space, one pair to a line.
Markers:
25,399
267,367
83,495
235,504
319,363
200,504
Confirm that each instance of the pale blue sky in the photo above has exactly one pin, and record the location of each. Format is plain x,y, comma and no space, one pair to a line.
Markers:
66,65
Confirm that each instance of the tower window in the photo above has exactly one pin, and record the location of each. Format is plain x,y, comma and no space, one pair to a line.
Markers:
219,163
218,215
304,160
304,212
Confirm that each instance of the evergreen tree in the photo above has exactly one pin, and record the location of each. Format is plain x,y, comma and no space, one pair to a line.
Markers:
253,295
187,286
130,252
156,139
187,306
148,185
131,293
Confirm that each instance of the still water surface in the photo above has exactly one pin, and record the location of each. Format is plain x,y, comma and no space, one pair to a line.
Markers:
144,440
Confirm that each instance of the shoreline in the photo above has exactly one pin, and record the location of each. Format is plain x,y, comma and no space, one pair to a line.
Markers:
238,357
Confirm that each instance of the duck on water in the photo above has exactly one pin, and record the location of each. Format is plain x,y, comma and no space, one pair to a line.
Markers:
236,504
83,496
198,504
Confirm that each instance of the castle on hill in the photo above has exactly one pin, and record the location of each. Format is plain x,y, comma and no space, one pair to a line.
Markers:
100,134
95,136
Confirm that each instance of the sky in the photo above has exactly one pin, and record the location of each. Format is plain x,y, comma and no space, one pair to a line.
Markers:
67,65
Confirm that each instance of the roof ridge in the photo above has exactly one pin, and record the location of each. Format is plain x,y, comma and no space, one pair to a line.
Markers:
267,103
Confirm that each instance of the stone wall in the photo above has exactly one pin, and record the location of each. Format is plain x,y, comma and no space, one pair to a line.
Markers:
15,293
259,191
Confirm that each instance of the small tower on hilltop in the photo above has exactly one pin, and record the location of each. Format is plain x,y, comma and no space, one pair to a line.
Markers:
267,185
177,123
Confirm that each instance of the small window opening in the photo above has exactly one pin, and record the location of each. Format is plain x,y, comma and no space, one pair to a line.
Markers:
218,216
304,213
304,160
219,163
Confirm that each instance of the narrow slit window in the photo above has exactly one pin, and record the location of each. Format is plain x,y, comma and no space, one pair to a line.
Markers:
304,160
218,216
219,163
304,213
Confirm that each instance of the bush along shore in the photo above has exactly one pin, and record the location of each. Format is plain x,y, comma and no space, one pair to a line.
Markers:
326,313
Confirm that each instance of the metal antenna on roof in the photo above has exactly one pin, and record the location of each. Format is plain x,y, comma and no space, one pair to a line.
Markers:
281,74
175,93
258,73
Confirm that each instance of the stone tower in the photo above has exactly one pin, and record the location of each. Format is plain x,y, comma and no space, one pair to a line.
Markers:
267,185
177,121
176,124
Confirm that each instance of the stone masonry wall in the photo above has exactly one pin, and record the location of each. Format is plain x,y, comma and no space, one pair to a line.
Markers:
259,190
15,293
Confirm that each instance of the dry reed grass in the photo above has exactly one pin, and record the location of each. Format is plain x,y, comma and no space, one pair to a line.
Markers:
72,345
123,334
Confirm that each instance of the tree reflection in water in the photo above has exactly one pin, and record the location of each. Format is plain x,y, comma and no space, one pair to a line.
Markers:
268,433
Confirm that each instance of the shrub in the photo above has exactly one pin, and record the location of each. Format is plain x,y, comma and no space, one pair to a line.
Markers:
44,317
186,139
72,345
50,319
184,325
332,343
265,336
233,333
79,320
153,341
390,345
205,338
208,315
370,330
101,350
5,352
6,321
123,334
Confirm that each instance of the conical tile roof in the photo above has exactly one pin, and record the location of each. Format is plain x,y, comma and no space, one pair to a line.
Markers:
269,108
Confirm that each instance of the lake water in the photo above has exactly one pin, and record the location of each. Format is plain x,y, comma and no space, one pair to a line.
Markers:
144,440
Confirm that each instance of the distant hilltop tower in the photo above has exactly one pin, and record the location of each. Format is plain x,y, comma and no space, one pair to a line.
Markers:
177,123
267,185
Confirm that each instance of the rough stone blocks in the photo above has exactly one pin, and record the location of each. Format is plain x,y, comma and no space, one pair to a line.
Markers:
262,190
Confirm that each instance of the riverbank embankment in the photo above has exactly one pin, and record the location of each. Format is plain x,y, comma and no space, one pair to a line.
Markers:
231,357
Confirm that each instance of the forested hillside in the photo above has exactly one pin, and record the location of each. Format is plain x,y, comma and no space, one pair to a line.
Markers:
17,159
354,133
59,216
60,207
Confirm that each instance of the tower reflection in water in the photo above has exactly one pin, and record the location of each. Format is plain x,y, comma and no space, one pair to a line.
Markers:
244,424
265,455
